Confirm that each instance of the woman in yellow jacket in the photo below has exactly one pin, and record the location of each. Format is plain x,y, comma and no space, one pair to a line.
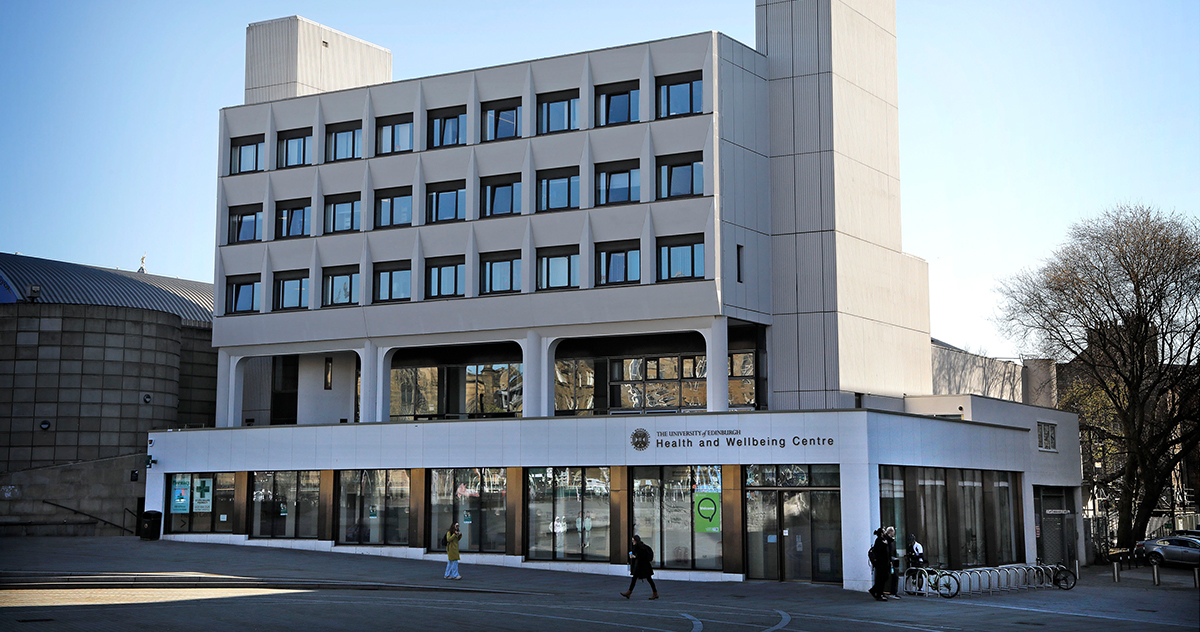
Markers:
452,538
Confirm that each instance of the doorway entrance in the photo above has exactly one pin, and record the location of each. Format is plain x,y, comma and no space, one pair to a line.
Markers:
793,534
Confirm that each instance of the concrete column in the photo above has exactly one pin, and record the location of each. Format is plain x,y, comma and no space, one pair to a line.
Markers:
236,375
716,347
532,357
223,383
384,395
368,406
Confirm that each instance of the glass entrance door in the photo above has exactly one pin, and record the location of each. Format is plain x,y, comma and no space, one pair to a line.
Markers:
793,534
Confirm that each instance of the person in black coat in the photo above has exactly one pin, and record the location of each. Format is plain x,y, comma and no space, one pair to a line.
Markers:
641,566
881,559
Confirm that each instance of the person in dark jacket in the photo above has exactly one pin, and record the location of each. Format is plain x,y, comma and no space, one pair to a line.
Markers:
881,559
641,566
893,584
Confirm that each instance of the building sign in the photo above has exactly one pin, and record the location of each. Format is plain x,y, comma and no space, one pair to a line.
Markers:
727,438
706,512
202,493
181,493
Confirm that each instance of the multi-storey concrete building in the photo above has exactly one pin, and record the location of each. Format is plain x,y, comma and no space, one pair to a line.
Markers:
654,289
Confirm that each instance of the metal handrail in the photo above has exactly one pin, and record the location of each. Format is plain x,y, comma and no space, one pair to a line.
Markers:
84,513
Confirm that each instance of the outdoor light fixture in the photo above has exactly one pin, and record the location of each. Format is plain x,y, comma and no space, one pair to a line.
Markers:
45,424
33,292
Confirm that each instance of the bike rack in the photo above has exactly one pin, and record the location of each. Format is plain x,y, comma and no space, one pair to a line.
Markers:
987,580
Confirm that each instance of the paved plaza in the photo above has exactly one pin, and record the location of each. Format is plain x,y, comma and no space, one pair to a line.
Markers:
60,584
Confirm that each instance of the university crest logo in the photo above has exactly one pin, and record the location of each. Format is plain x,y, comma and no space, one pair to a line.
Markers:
640,439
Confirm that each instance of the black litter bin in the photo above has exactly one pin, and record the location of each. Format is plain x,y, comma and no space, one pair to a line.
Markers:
151,524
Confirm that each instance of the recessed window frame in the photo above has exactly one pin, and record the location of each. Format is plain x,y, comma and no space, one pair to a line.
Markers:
548,179
548,261
291,291
495,267
670,247
289,214
548,105
239,216
236,289
438,195
1047,435
394,134
680,175
493,189
299,139
628,254
627,95
332,279
390,282
442,269
343,141
437,125
247,148
347,205
393,206
605,175
493,117
674,101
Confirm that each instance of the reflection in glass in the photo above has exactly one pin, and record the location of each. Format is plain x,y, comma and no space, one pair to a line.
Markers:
972,548
574,386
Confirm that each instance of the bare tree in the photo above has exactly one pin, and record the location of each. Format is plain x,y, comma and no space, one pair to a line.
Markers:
1120,304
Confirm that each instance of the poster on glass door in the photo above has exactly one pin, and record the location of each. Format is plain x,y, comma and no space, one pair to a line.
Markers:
181,493
202,493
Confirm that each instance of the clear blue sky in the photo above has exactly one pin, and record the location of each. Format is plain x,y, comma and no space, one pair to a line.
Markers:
1016,118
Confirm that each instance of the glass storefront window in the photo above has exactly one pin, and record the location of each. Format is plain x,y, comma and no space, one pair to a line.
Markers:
568,513
373,507
677,512
931,496
1006,544
971,539
475,498
891,505
793,534
199,502
284,504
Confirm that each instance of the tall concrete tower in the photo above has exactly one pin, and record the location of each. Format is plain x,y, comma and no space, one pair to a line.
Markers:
856,314
293,56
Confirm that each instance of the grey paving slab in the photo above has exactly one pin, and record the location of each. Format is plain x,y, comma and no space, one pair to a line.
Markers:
548,600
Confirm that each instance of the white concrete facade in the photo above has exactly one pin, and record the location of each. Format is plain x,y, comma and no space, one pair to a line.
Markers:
798,214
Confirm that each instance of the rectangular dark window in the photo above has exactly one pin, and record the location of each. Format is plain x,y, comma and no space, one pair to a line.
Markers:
1047,436
393,282
446,202
500,195
329,374
291,290
293,218
373,507
558,112
447,127
343,141
681,258
500,120
393,207
241,295
670,382
445,278
680,95
558,268
246,154
393,134
680,175
739,263
558,189
340,286
341,213
245,223
617,103
618,183
294,149
500,273
618,263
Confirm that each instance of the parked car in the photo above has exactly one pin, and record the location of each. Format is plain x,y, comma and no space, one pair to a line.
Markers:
1171,550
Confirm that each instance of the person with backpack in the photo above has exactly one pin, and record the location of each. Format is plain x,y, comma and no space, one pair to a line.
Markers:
641,566
880,556
450,539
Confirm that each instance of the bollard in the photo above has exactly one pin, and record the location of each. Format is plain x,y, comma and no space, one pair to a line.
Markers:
1076,569
1116,571
1154,571
1196,577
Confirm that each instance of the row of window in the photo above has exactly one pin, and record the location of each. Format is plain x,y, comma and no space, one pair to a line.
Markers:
680,258
680,175
616,104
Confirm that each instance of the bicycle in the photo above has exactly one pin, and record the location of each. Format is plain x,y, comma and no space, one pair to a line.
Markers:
1063,577
921,580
